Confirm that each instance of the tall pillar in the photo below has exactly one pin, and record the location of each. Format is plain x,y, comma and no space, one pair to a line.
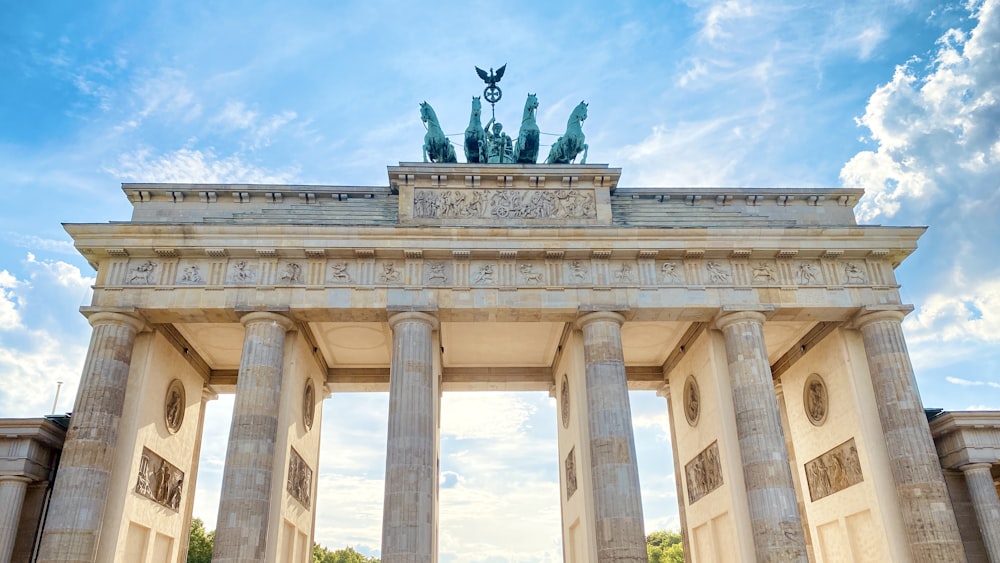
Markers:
986,504
923,497
207,394
76,510
774,511
615,475
409,529
681,510
244,506
12,489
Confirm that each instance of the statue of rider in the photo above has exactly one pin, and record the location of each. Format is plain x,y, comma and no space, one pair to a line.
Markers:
499,147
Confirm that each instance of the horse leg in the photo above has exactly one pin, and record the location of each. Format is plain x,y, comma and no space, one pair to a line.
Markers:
584,159
425,152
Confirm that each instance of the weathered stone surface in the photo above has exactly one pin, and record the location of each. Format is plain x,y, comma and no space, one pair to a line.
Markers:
617,499
241,529
923,497
81,492
986,503
774,512
409,527
12,491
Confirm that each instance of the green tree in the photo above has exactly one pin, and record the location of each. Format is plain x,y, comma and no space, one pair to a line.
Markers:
665,547
347,555
200,548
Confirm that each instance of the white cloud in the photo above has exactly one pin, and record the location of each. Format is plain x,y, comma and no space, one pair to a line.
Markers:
65,274
164,93
10,303
719,14
38,243
962,314
971,383
30,370
936,125
236,115
193,166
467,416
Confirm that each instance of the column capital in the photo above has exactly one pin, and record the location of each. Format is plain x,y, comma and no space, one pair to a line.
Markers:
113,317
875,313
976,466
267,317
15,478
586,318
664,392
726,317
420,316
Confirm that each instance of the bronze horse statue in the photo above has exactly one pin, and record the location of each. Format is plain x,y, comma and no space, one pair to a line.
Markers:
437,147
475,138
567,147
526,147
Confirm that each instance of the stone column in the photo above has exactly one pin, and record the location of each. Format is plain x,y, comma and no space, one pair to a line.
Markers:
207,394
408,525
681,503
774,511
923,497
617,499
76,510
987,505
244,505
12,489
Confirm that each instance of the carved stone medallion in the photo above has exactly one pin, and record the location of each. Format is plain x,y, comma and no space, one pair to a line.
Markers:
564,400
692,401
815,399
308,405
173,406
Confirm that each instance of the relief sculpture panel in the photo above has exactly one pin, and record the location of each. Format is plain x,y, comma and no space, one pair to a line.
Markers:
159,480
704,473
299,484
834,471
504,204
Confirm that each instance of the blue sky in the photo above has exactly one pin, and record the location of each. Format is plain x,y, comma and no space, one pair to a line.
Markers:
899,97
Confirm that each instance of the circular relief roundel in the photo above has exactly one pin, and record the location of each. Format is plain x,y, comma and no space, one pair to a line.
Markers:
308,404
815,399
692,401
173,406
564,400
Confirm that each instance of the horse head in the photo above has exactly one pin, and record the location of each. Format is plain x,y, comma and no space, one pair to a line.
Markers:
531,102
477,108
579,113
427,113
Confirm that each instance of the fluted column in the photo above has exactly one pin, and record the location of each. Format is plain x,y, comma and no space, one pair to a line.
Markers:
76,510
12,489
681,510
207,394
408,523
774,512
244,506
923,497
987,505
617,499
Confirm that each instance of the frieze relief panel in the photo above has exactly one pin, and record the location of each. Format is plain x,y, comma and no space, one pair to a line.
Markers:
504,204
834,471
507,271
299,484
704,473
159,480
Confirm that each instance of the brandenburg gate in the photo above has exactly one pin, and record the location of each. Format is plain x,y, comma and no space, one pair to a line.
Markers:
767,319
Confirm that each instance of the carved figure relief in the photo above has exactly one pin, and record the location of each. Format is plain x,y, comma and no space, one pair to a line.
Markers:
764,272
192,275
691,401
308,405
243,272
142,274
299,483
854,273
389,273
717,273
579,270
338,272
485,275
173,406
530,275
437,273
159,480
669,273
624,274
570,473
807,273
291,273
815,399
564,400
704,473
834,471
503,204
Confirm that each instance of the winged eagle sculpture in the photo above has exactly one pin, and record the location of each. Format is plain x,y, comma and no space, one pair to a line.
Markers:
491,78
